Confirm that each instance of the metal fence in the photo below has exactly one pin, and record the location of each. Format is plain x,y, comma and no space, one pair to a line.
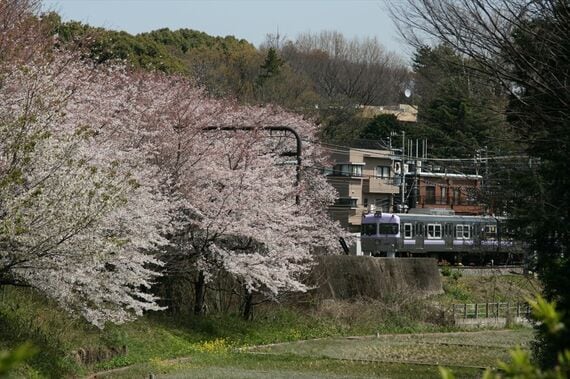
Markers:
490,310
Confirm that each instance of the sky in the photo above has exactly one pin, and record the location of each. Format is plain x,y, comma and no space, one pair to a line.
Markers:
248,19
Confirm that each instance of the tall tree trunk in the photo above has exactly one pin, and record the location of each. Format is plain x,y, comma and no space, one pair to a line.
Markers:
247,304
199,293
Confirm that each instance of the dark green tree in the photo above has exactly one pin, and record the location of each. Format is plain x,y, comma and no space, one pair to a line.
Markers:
458,112
540,113
381,127
524,46
270,67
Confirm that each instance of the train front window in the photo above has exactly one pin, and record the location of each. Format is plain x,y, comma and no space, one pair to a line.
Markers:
388,228
368,229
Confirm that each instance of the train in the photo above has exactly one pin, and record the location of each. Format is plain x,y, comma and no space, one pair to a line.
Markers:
452,239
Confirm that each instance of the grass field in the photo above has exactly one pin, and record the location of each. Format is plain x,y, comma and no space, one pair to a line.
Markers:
222,345
386,356
466,349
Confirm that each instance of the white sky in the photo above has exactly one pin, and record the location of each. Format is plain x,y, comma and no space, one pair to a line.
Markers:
248,19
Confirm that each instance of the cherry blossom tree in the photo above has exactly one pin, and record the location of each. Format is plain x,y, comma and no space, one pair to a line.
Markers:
239,192
80,207
101,168
22,33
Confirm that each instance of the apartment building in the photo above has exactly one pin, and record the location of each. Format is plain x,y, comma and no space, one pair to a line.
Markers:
362,177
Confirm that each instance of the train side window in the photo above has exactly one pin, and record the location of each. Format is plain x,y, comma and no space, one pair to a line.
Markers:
490,232
434,231
448,229
408,231
462,231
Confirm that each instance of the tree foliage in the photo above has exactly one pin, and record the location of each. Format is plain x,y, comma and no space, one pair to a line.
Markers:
109,176
357,71
525,47
325,70
381,127
458,111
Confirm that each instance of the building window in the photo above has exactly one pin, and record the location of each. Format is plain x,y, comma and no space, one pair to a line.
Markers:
462,232
434,231
347,170
408,231
343,169
356,170
383,171
430,195
345,202
456,196
382,204
443,195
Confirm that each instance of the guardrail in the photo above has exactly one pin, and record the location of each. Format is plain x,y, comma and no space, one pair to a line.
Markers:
490,310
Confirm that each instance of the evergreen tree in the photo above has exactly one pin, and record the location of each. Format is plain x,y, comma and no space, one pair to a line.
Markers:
458,112
271,67
524,46
540,114
381,127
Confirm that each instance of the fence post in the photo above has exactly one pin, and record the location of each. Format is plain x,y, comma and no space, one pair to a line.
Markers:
476,310
465,310
486,310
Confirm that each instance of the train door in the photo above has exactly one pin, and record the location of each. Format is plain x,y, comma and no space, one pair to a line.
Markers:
419,234
408,240
448,235
477,235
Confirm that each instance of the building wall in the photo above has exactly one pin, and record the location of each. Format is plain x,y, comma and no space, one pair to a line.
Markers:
458,194
363,189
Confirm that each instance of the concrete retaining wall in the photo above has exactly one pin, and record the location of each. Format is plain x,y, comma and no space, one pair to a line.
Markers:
349,277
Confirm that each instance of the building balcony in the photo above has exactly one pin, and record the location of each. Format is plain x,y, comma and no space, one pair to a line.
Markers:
356,217
380,185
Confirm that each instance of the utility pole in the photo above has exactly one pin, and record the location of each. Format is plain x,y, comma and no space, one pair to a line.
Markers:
486,168
402,172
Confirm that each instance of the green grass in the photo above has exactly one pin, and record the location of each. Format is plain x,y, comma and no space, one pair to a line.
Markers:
482,289
469,349
394,356
246,365
212,340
